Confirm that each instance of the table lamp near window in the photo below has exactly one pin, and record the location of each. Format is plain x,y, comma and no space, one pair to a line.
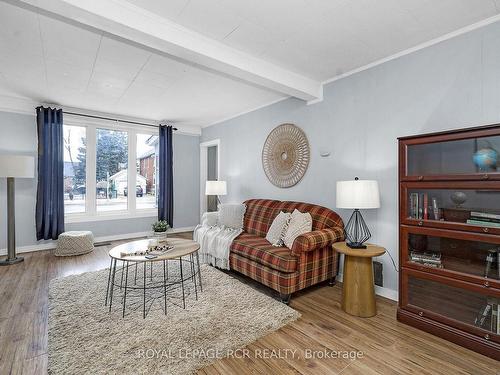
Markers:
14,166
357,194
216,188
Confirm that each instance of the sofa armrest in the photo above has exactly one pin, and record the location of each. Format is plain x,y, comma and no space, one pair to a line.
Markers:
317,239
209,219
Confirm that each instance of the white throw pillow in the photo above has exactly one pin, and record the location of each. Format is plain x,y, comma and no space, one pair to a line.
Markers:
278,228
209,219
231,215
300,223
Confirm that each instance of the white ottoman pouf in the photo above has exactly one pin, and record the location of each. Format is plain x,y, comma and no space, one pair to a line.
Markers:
74,243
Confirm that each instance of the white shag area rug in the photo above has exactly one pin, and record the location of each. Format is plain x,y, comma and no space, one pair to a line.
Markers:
84,338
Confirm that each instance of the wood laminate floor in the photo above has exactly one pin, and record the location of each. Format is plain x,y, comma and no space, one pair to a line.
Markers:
387,346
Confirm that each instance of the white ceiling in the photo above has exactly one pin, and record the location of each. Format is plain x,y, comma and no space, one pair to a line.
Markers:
323,38
51,61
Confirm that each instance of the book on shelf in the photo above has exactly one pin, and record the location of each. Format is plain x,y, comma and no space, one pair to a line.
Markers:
490,310
495,315
483,223
435,209
429,264
494,319
485,215
431,259
426,206
420,206
485,219
429,255
414,205
483,315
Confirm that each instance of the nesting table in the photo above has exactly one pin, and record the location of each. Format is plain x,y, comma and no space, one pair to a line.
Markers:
134,273
358,290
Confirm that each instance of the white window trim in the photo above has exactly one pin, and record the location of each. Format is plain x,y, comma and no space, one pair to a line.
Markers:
91,213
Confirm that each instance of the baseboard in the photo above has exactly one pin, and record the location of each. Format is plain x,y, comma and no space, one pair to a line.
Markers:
379,290
125,236
386,292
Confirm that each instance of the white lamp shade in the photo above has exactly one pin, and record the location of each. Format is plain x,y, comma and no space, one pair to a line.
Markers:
216,188
361,194
18,166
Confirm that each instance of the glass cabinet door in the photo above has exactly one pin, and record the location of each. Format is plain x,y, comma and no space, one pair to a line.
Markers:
460,206
461,157
473,310
444,252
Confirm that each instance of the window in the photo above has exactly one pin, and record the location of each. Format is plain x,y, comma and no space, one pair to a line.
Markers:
111,170
146,159
75,161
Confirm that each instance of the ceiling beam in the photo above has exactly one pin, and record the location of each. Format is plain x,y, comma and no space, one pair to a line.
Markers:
137,25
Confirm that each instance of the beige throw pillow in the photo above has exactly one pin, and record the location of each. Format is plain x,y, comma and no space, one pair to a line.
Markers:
300,223
231,215
278,228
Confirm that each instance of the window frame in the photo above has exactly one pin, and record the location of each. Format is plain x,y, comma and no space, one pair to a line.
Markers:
85,213
91,213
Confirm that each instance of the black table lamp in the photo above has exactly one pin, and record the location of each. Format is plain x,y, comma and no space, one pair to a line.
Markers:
357,194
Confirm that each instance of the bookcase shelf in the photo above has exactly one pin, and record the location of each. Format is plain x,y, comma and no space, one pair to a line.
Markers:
449,217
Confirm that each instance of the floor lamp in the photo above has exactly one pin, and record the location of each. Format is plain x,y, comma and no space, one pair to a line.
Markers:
14,166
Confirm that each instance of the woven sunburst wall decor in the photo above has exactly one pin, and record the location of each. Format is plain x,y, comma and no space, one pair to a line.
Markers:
285,155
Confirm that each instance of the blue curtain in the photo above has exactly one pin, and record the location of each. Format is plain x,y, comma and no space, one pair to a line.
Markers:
49,214
166,176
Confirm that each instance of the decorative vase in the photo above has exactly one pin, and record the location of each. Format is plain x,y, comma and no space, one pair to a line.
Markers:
160,236
458,198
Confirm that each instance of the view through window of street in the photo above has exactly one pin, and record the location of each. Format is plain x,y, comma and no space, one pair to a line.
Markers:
75,154
146,185
109,148
111,170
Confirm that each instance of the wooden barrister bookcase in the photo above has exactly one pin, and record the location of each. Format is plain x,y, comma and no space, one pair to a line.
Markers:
449,236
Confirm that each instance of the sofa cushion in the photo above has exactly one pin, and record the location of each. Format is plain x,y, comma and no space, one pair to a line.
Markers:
322,217
231,215
259,215
278,229
209,219
259,250
300,223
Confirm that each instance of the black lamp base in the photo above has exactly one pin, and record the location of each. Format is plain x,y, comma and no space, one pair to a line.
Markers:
355,245
10,261
356,231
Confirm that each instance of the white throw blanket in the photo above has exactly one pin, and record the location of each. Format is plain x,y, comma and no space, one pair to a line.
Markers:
215,242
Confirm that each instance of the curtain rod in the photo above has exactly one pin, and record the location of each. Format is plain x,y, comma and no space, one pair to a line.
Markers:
112,119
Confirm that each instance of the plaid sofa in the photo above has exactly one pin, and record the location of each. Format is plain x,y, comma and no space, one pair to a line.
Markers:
311,259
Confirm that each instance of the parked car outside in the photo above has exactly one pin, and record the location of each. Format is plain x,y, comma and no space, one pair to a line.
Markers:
138,191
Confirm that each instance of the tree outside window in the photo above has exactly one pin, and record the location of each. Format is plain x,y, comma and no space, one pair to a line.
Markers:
111,170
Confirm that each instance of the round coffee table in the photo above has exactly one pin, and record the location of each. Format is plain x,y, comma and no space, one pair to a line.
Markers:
358,290
182,249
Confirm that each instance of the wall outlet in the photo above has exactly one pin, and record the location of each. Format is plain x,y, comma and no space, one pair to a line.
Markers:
378,274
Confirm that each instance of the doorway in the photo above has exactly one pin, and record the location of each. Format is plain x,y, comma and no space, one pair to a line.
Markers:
209,171
212,175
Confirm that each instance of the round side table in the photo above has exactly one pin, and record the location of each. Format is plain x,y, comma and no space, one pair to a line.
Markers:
358,290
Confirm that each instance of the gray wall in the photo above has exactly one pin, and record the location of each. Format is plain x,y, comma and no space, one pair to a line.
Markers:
451,85
18,135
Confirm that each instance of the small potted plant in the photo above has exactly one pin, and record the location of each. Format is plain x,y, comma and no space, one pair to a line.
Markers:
160,229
